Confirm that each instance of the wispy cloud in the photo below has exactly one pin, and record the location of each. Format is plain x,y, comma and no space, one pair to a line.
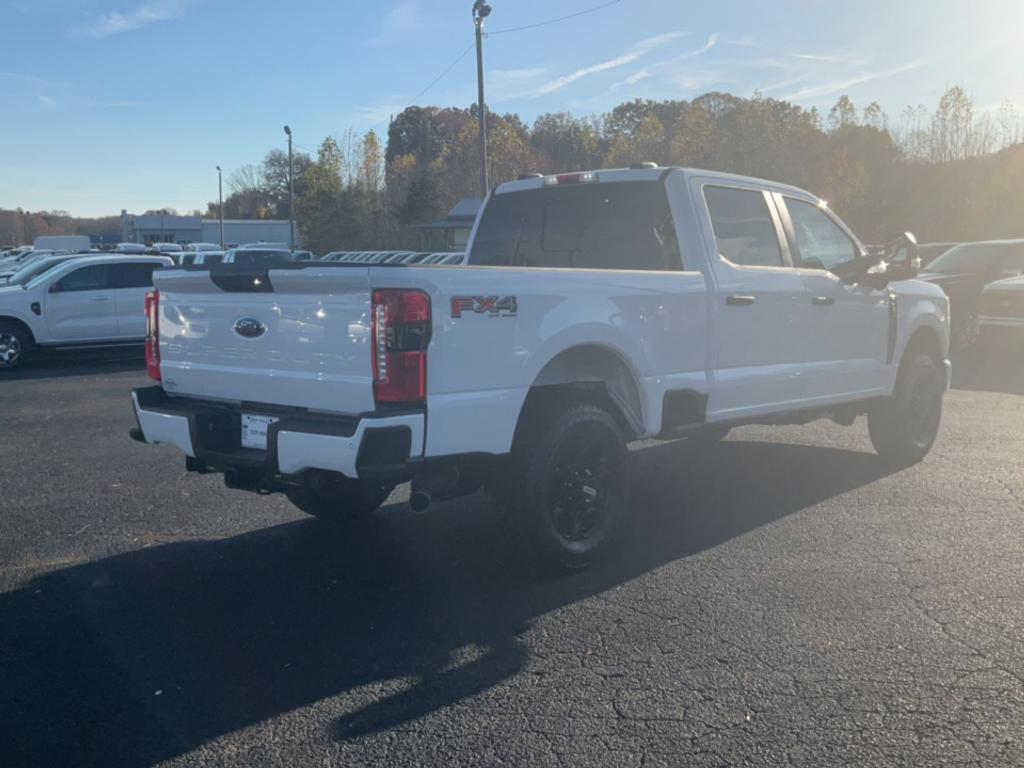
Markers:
817,57
41,82
149,12
403,18
46,101
639,49
711,43
633,79
837,86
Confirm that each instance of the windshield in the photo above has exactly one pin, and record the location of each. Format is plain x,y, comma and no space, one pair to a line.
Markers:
970,258
30,271
257,256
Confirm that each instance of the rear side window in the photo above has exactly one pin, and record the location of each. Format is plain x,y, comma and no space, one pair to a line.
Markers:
620,225
744,229
137,275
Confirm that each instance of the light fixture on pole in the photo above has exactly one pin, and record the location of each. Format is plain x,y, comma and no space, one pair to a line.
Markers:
291,194
220,204
481,10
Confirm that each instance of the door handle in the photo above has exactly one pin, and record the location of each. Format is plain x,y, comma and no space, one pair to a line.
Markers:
100,298
739,300
823,301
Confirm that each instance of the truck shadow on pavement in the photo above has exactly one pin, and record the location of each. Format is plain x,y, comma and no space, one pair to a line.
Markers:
81,362
996,367
147,655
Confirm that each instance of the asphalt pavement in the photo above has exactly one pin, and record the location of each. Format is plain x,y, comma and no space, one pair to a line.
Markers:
783,600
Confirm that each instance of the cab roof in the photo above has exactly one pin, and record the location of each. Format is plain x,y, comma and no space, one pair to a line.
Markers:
605,175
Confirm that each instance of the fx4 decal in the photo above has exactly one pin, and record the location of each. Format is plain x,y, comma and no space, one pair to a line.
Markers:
493,306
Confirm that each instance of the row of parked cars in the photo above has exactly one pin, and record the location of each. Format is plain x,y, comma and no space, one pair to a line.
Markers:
94,299
985,285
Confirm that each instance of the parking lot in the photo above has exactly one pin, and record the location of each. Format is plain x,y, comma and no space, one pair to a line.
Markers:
784,600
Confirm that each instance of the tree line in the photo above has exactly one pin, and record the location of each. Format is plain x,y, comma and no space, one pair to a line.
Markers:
948,173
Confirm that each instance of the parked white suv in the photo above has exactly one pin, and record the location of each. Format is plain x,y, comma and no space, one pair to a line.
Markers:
85,301
595,308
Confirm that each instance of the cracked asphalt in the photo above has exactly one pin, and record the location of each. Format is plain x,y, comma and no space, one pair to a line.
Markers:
783,600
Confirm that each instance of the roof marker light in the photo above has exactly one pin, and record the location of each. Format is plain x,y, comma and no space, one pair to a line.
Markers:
588,177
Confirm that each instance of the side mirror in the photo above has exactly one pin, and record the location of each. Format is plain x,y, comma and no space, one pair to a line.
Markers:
901,261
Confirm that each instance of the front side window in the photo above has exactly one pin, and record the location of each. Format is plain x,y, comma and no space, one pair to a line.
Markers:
91,278
822,244
744,228
619,225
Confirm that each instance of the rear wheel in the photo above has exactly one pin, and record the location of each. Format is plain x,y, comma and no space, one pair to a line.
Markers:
340,501
903,427
573,486
15,344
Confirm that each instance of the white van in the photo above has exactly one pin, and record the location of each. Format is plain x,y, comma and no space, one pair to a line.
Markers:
70,243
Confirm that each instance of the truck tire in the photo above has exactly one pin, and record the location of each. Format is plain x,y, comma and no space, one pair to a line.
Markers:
342,501
15,345
903,427
572,475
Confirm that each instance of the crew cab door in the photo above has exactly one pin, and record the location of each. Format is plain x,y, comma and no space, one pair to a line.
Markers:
80,305
757,344
132,280
846,327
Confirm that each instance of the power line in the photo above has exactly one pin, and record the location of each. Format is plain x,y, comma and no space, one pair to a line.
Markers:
554,21
450,67
462,55
433,82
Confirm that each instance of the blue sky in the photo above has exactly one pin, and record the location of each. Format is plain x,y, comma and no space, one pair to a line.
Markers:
110,104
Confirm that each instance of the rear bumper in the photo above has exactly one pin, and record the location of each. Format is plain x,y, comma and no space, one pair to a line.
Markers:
383,447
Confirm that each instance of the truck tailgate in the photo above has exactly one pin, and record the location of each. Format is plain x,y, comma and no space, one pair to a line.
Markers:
285,337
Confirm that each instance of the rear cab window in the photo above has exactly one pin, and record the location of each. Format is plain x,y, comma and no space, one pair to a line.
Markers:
625,225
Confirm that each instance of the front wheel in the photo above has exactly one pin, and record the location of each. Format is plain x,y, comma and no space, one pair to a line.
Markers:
341,500
15,344
903,427
574,486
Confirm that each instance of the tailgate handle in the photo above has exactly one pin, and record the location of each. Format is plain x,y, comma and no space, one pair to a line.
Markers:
739,300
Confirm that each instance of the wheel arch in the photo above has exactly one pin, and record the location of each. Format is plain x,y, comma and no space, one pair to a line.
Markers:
17,321
592,372
924,339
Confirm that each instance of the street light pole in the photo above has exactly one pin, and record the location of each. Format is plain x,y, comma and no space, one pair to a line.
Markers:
481,10
291,194
220,204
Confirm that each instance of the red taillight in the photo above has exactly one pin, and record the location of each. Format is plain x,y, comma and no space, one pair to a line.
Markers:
401,333
153,334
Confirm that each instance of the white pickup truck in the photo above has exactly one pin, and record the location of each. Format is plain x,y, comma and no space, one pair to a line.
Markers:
594,308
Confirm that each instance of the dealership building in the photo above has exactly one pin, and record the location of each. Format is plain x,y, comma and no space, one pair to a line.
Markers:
157,228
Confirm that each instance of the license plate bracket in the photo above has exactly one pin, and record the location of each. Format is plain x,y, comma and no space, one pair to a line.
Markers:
254,430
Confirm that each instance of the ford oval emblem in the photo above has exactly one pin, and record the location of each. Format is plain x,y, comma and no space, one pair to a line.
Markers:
249,328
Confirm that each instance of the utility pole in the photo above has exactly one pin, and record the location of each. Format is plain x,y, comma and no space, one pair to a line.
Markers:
481,10
291,194
220,204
